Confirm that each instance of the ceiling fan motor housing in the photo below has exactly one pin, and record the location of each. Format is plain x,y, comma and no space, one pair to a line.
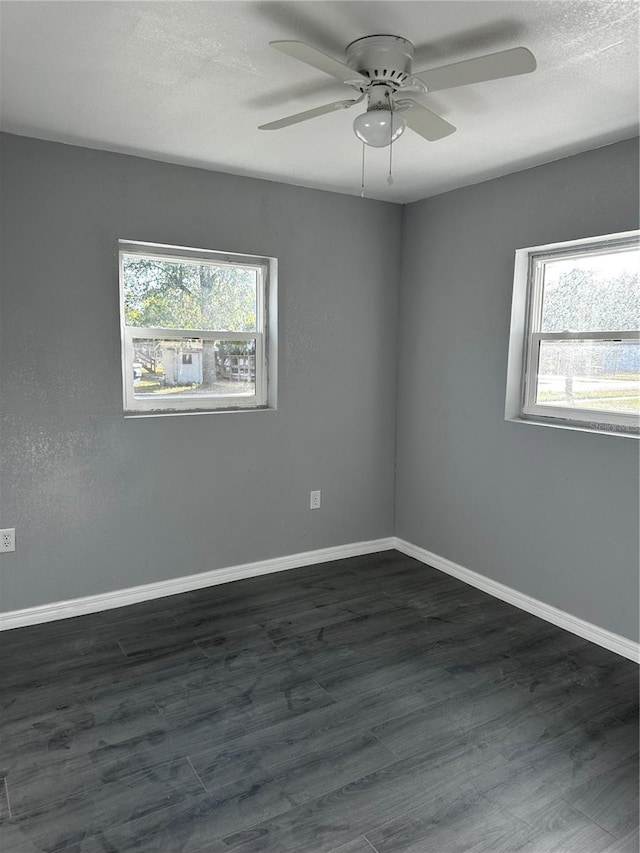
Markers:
383,59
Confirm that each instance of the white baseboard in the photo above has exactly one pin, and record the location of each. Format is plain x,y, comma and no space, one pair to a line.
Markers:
161,589
606,639
121,597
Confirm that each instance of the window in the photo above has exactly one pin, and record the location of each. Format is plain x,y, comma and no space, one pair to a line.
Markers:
198,329
574,357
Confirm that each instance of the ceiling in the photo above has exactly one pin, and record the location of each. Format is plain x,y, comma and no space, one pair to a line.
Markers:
189,82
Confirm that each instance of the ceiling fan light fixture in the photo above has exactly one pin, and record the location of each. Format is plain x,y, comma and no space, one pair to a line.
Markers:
379,127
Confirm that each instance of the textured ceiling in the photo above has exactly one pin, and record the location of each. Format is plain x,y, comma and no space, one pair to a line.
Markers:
188,82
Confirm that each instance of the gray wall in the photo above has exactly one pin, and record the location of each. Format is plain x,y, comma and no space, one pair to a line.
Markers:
102,503
550,512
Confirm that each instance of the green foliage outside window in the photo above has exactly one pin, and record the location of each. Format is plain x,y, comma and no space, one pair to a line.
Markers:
188,295
582,300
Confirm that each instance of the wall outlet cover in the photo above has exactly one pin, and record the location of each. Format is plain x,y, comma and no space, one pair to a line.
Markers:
7,539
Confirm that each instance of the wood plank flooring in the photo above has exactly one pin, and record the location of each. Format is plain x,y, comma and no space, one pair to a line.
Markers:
369,704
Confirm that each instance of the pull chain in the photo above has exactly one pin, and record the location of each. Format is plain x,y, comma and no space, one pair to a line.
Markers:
362,179
390,178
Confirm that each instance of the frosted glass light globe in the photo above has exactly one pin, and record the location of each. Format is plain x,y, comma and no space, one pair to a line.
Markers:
374,127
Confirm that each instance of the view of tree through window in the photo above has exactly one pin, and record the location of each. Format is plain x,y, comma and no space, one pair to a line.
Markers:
193,329
187,295
583,357
596,294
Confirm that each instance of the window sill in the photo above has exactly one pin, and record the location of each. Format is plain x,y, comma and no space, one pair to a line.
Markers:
135,415
599,429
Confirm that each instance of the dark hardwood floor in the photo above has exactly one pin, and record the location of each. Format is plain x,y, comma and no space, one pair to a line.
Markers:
369,704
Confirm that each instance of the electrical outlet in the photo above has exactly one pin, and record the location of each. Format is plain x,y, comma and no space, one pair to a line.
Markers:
315,499
8,539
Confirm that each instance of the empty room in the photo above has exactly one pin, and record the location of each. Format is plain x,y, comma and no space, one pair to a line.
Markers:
320,420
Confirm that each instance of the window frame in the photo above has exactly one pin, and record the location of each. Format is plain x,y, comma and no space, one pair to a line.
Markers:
526,338
264,334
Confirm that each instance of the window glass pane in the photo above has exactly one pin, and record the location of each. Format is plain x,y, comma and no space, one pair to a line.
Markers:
185,294
597,375
592,293
193,367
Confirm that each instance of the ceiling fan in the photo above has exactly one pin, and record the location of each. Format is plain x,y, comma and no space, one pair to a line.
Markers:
379,68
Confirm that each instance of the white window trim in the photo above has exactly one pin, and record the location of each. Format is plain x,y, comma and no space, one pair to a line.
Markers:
524,344
264,336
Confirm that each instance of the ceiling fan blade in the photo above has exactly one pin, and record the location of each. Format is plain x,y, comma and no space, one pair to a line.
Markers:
307,114
493,66
423,121
317,59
